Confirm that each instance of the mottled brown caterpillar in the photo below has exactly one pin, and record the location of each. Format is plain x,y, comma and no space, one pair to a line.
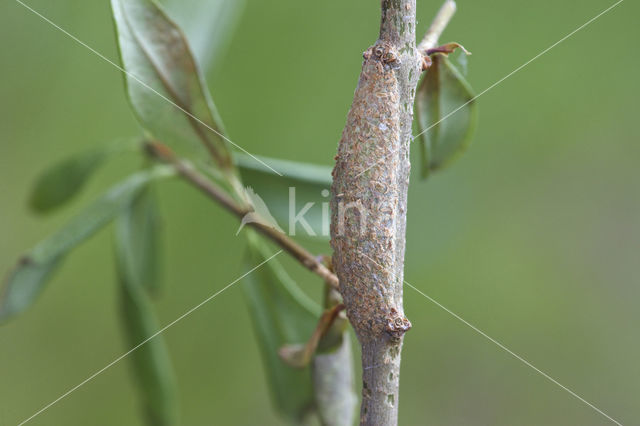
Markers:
366,202
368,206
369,200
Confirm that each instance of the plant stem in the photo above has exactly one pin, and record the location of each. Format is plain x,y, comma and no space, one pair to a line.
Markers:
216,193
440,22
369,202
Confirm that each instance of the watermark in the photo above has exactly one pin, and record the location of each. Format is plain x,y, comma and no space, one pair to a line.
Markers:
304,217
260,212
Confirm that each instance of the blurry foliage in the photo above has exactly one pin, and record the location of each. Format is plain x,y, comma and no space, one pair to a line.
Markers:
171,101
137,262
34,269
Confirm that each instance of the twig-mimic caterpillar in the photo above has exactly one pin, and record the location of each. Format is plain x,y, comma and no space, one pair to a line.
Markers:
365,218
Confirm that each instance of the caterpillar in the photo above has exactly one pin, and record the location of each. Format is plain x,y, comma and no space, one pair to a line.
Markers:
369,199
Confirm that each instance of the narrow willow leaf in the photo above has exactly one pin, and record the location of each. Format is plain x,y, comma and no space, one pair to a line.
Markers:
281,314
28,278
208,24
64,180
444,137
164,85
141,222
60,183
298,200
150,361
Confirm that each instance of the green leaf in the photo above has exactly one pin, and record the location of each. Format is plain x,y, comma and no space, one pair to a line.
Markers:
150,361
28,278
311,184
281,314
164,85
208,24
444,134
60,183
141,222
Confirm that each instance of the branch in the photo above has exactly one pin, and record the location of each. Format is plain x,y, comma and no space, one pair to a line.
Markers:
163,153
440,22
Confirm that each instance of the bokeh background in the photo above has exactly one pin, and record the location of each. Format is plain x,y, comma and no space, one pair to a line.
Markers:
533,236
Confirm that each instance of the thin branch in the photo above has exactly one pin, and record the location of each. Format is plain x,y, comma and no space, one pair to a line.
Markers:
219,195
440,22
299,356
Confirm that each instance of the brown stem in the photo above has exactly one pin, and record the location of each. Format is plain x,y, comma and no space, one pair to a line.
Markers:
190,174
299,356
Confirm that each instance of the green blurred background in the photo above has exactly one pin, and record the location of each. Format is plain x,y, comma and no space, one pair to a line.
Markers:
533,236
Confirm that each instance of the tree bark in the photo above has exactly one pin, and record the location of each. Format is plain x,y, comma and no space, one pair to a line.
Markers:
369,204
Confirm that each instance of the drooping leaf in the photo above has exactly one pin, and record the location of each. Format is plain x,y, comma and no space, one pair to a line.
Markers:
141,223
281,314
150,361
28,278
298,200
333,382
446,114
332,367
329,352
61,182
208,24
164,85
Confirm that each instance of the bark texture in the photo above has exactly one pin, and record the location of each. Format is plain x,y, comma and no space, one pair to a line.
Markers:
369,205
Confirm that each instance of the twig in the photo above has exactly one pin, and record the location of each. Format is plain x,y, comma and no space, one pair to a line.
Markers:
190,174
298,355
440,22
